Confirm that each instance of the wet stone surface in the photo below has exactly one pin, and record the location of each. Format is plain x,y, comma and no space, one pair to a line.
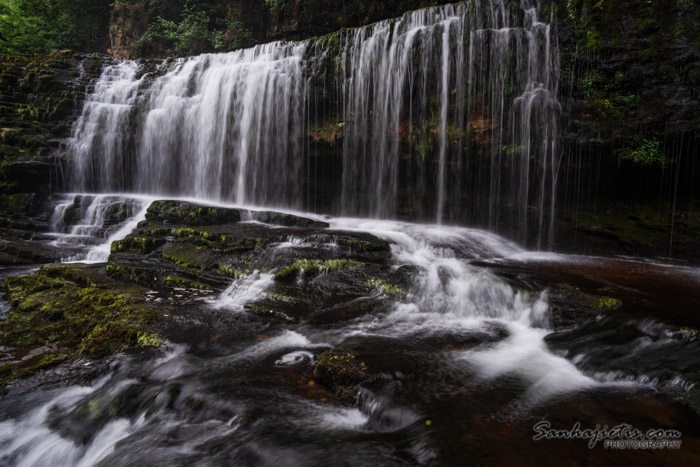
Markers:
308,342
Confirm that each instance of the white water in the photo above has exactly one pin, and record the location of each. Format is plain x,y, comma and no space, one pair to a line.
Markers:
244,290
92,228
449,296
458,99
30,442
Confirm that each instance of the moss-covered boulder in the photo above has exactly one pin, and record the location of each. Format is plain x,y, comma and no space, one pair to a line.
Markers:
182,245
66,312
313,267
189,214
342,371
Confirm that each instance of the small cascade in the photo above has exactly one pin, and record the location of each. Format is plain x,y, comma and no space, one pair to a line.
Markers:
447,114
89,224
244,290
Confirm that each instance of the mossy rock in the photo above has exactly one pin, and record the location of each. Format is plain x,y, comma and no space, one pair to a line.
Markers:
133,274
74,311
137,244
571,306
183,283
312,267
188,214
342,371
189,256
388,288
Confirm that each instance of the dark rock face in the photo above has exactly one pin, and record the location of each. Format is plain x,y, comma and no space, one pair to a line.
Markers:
570,306
129,22
300,19
40,97
630,72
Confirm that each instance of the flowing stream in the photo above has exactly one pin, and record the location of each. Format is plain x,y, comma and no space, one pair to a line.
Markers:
253,402
450,109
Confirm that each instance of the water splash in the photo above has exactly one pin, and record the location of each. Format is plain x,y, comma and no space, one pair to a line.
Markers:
244,290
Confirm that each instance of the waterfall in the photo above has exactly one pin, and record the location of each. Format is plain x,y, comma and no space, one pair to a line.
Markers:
219,127
447,114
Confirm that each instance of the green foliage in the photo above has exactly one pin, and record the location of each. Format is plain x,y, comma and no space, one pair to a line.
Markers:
198,27
39,26
648,153
190,35
592,41
274,5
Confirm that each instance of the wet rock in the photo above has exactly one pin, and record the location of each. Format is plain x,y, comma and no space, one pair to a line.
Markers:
570,307
343,372
287,220
185,243
63,312
20,253
188,214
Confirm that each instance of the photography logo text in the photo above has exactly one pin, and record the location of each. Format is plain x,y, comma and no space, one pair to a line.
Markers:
623,436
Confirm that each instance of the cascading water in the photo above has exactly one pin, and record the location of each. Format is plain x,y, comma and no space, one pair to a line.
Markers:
87,225
220,127
448,113
477,82
458,339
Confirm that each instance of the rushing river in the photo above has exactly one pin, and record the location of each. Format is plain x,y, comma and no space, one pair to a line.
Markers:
468,361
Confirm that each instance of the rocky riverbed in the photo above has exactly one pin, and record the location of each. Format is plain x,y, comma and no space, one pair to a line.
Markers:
272,334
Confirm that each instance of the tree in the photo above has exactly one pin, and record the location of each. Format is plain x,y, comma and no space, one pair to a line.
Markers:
39,26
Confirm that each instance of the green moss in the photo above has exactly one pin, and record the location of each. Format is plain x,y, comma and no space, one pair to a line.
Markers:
259,309
149,340
609,303
182,283
281,297
230,271
388,288
132,274
188,232
135,244
342,371
154,231
76,310
183,213
312,267
188,256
